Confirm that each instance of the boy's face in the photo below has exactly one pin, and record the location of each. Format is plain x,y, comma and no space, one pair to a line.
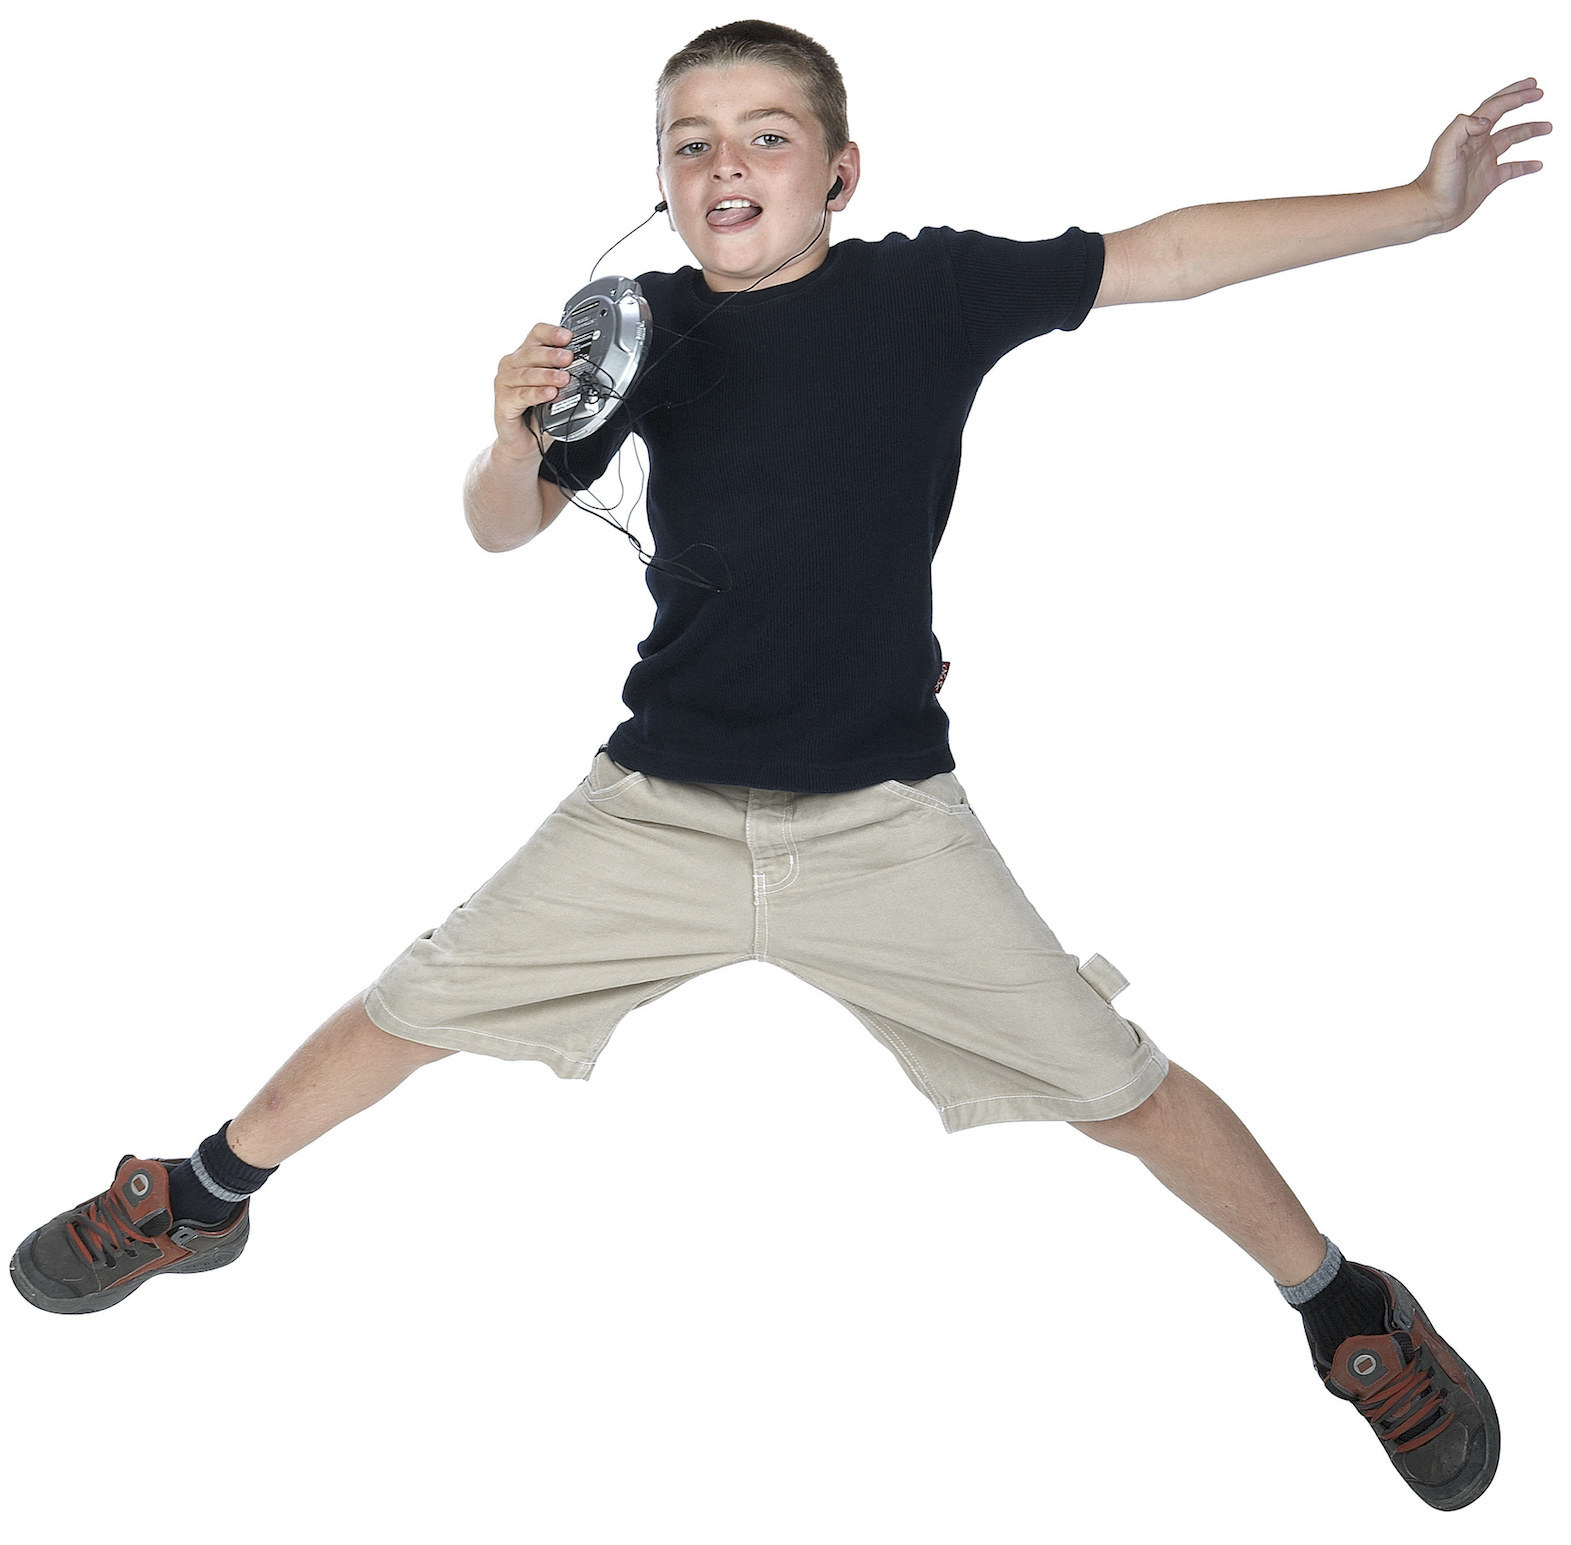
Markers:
776,162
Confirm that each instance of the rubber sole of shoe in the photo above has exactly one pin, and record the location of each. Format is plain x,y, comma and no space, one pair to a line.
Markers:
223,1256
1405,1309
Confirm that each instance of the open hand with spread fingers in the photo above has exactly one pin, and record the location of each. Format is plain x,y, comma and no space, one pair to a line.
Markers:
1465,166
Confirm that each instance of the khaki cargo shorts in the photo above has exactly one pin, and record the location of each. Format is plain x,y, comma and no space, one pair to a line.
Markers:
890,898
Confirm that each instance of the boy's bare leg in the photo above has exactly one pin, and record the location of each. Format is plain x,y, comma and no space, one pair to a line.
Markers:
1205,1156
346,1066
98,1253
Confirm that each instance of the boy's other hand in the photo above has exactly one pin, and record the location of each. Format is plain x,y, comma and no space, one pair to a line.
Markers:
532,373
1465,166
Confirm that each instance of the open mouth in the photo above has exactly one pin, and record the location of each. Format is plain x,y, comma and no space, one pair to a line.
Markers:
734,219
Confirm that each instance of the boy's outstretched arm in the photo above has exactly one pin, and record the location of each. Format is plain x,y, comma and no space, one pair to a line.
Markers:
1193,251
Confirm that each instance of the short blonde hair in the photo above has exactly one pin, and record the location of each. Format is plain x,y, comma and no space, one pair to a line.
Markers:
761,42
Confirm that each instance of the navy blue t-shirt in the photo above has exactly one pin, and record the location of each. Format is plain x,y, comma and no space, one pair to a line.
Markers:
811,432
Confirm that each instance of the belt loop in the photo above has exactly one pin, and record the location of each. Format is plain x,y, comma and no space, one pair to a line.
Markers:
1103,975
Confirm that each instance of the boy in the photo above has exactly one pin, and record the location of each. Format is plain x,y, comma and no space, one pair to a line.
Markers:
784,789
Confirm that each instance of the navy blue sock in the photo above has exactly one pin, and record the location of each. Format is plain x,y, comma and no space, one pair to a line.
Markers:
211,1184
1338,1300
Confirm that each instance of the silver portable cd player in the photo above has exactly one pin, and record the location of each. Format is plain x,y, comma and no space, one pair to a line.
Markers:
610,323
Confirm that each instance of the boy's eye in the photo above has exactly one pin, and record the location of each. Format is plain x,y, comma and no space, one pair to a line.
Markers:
683,149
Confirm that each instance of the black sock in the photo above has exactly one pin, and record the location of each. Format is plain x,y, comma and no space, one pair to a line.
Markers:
1339,1300
211,1184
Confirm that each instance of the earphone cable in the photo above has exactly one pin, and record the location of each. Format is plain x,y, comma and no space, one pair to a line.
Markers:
654,561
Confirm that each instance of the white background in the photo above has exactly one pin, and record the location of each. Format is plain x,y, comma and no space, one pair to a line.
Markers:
1255,606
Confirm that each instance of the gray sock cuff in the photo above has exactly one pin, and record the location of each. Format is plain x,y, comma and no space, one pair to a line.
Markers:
199,1169
1305,1290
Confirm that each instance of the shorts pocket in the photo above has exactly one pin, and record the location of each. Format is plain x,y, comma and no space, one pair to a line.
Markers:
943,791
607,779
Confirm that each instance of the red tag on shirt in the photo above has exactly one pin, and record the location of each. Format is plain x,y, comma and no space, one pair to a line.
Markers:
943,671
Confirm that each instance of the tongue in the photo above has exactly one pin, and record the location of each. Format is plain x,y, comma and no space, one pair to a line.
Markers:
723,217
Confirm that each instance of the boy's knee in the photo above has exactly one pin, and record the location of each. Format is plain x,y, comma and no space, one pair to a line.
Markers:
1135,1127
414,1053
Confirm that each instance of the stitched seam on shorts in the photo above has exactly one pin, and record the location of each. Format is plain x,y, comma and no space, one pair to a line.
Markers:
760,892
790,842
488,1034
1062,1099
610,1029
900,1048
659,992
611,790
903,1051
919,798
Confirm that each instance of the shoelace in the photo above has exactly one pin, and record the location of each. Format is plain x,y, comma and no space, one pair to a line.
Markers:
1414,1380
103,1227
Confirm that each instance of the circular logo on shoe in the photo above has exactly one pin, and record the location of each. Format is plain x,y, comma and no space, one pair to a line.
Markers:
140,1183
1365,1364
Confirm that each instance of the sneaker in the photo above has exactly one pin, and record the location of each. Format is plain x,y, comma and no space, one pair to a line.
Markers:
1430,1411
96,1254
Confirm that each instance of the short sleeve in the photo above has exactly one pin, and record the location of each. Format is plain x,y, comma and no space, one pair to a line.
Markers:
574,465
1012,291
